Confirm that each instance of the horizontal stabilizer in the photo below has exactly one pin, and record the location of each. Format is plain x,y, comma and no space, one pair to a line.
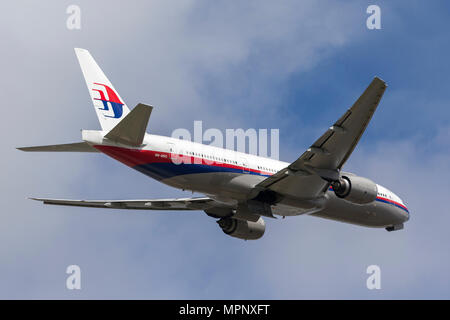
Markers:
131,130
69,147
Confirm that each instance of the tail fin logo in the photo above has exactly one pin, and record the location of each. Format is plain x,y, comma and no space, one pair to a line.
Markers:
113,100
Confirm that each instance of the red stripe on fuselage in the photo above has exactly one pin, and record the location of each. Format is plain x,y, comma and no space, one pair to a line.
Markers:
393,202
136,157
384,199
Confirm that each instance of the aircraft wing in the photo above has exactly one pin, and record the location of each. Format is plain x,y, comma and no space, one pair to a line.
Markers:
308,177
155,204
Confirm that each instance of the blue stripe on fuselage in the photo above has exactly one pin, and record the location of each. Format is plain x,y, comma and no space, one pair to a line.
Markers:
392,203
167,170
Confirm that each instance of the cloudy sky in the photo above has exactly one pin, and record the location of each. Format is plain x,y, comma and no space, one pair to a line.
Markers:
291,65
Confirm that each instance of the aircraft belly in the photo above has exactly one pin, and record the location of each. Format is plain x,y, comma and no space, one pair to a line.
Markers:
224,184
230,182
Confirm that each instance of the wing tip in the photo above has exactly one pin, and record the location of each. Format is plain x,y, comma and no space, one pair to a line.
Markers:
26,149
378,79
143,105
80,50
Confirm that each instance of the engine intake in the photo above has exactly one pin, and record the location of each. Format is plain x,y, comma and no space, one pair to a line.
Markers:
355,189
243,229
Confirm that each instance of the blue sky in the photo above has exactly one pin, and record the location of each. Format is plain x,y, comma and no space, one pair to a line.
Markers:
291,65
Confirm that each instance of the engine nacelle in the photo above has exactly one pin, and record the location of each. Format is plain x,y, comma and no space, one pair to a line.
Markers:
355,189
243,229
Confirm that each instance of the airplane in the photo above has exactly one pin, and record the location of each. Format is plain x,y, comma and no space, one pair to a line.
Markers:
239,189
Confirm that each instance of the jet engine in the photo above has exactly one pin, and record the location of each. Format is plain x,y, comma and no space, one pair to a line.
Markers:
243,229
355,189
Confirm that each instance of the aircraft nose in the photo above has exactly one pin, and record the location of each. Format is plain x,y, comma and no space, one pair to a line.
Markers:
406,217
406,210
401,207
401,212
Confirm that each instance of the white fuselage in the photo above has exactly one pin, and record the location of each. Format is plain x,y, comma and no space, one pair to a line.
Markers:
229,177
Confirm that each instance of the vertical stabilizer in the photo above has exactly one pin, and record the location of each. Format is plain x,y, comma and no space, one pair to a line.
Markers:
109,106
